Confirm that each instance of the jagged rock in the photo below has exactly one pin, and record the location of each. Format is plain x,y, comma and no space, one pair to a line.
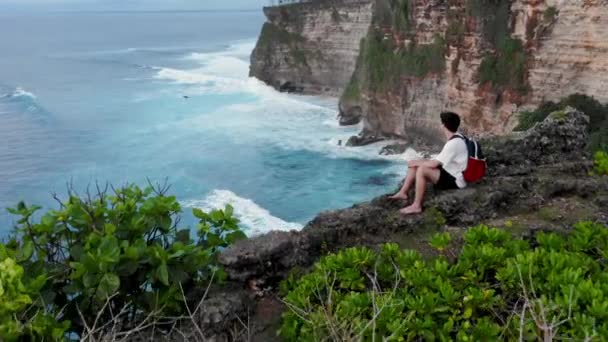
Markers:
350,116
525,170
363,139
392,149
272,252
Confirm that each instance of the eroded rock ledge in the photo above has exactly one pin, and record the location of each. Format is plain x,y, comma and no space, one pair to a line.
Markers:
525,171
546,167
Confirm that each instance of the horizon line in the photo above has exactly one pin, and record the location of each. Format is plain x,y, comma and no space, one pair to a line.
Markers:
135,10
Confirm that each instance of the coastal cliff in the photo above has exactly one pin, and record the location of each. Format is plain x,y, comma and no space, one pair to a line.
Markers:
311,47
487,60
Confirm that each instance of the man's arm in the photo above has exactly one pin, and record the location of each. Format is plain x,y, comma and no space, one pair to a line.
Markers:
431,163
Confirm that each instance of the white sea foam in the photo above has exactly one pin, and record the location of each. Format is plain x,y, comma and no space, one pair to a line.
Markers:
289,121
256,219
19,92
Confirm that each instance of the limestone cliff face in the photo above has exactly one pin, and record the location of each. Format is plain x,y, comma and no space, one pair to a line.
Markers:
311,47
492,60
573,56
485,59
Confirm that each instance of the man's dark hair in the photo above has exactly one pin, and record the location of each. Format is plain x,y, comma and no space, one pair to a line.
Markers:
451,121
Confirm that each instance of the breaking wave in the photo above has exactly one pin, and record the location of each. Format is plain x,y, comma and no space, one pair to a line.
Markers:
253,217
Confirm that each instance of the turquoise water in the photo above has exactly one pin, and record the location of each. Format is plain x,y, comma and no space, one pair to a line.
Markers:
99,97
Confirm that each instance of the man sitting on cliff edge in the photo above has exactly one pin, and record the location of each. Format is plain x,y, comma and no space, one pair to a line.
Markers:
445,170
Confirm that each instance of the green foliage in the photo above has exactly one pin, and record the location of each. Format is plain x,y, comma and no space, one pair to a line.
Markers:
507,68
550,14
19,293
386,65
493,16
456,29
396,295
529,119
597,112
273,35
401,16
353,90
440,241
118,250
601,163
433,219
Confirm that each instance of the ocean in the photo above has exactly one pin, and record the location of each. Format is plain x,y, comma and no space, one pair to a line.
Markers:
125,97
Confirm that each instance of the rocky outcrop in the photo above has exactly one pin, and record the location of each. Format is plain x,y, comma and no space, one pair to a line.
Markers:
486,60
311,47
526,171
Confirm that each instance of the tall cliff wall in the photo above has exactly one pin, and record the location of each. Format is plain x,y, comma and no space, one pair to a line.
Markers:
311,47
485,59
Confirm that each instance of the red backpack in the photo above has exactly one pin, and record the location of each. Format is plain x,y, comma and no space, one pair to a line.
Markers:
476,165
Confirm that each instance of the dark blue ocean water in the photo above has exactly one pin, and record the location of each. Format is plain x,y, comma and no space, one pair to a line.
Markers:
98,97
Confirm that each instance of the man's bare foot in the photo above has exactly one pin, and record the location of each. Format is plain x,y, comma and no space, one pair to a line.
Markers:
399,196
411,210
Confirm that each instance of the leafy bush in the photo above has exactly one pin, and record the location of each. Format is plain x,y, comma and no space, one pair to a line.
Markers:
498,288
601,163
122,251
16,293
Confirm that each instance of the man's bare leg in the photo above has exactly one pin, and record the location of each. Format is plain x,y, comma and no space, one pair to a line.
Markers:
423,176
407,184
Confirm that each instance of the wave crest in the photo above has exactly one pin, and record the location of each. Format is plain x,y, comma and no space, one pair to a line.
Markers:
256,219
19,92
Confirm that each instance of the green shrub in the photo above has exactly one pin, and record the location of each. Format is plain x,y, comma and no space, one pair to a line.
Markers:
116,251
601,163
19,293
498,288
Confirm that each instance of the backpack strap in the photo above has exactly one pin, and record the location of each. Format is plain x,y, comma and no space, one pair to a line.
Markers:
469,143
458,135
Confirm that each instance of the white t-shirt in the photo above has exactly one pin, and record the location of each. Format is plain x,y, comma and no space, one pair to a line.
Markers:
454,158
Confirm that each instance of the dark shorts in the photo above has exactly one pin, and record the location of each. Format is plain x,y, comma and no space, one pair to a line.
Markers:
446,180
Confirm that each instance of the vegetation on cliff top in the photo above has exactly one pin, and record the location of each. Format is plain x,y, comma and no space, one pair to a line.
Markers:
492,287
597,112
105,262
